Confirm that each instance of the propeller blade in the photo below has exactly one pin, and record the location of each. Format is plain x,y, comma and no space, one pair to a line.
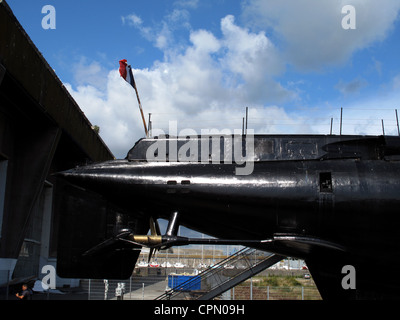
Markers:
150,254
155,231
153,227
101,246
158,231
106,243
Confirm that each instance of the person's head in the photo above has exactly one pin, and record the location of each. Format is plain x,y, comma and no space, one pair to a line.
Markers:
24,286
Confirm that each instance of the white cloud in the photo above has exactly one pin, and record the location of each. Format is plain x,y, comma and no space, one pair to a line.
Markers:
206,81
89,73
132,20
251,55
163,93
311,30
114,110
207,85
161,34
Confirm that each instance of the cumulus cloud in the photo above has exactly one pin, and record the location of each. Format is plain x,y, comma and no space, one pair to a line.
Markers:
251,55
206,80
161,34
113,110
312,31
206,85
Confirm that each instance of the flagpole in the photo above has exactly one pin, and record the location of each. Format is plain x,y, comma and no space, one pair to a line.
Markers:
125,71
141,112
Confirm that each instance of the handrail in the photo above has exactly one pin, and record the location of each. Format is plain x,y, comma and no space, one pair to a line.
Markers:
215,271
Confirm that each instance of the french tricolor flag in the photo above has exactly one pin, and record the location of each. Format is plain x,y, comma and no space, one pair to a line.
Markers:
125,71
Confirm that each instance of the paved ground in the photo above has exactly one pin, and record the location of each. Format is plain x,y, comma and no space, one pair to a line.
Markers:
149,292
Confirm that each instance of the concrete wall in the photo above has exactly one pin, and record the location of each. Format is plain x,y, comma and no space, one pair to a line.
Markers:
42,131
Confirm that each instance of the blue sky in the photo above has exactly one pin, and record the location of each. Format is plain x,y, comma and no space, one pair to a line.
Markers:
201,62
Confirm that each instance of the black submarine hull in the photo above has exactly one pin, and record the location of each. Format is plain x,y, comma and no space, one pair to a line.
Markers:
333,201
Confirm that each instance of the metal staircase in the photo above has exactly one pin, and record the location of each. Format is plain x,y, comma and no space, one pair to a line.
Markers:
223,276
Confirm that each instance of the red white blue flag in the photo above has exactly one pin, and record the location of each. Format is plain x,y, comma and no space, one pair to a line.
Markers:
125,71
